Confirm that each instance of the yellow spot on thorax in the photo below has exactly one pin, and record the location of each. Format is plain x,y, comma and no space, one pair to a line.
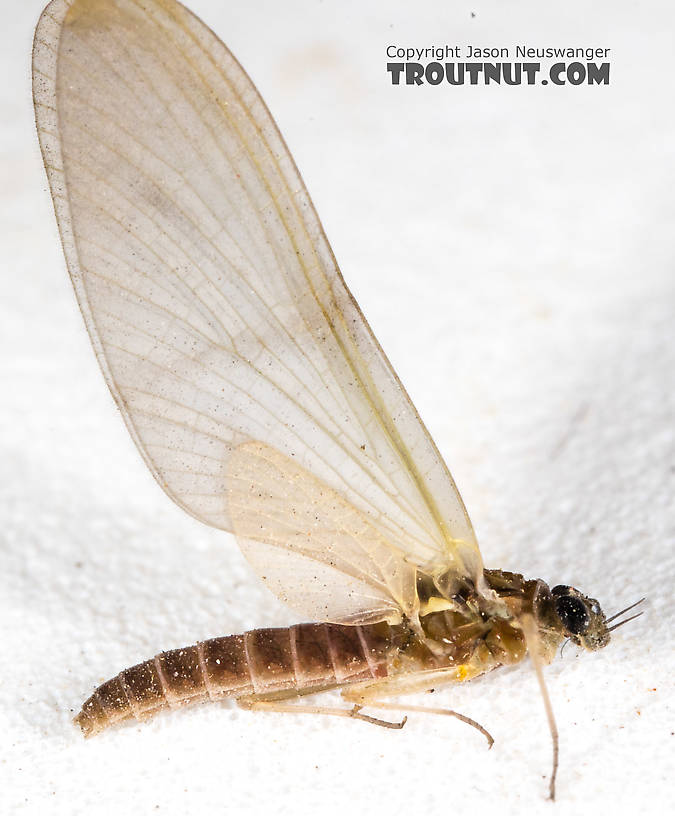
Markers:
436,604
466,672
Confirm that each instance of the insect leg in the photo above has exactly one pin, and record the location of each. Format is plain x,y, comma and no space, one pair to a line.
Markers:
427,710
353,713
533,647
370,694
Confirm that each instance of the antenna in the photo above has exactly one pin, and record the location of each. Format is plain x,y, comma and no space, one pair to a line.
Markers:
627,609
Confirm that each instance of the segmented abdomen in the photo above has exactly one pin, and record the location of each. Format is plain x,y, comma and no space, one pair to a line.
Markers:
260,663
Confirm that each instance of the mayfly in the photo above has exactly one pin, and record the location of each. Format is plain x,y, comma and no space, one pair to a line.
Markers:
255,390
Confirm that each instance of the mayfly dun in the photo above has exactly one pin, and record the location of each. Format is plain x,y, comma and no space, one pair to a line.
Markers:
255,391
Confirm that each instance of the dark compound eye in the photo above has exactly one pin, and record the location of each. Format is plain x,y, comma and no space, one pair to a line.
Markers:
573,614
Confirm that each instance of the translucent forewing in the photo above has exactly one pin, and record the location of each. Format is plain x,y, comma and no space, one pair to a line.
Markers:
212,298
307,541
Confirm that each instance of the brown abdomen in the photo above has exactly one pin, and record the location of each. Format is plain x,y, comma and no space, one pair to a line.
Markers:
260,663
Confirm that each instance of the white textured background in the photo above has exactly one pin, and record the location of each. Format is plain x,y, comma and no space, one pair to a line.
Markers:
513,250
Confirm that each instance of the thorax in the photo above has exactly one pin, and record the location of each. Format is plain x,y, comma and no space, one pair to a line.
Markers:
463,627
